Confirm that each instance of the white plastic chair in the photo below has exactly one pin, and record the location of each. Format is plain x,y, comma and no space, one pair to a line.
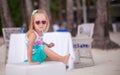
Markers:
7,32
86,30
82,45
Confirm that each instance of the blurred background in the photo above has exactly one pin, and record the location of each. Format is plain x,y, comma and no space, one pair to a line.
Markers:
66,13
69,15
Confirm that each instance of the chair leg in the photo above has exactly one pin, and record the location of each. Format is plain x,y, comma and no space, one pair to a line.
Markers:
86,57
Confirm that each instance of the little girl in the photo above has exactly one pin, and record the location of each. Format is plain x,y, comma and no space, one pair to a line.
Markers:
37,49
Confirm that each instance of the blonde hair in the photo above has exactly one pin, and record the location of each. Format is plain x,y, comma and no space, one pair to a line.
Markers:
31,26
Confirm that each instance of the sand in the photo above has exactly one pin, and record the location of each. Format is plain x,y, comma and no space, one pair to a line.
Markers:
106,62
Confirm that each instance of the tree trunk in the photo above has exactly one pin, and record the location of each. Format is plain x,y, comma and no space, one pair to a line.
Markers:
29,9
69,14
79,10
44,4
101,32
24,15
6,20
60,11
109,16
5,14
84,11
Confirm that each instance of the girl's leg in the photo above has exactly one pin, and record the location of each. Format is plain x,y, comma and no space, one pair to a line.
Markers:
54,56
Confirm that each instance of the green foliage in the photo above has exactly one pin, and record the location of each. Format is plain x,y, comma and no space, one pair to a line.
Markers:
16,12
94,2
64,4
54,6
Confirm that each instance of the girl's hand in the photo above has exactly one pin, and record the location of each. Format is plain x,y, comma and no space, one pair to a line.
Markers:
34,63
51,45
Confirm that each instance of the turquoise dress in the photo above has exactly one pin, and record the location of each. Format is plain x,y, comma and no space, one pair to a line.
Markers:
38,54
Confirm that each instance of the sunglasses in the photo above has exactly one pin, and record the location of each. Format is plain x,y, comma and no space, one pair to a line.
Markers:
39,22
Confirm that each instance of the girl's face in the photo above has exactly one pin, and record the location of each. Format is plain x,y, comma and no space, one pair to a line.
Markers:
40,22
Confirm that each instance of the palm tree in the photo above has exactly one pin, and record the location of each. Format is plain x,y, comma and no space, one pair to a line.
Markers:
29,9
79,10
44,4
6,18
5,14
60,10
24,15
69,14
109,16
101,32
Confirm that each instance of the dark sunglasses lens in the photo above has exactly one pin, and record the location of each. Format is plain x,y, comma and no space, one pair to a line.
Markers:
37,22
43,22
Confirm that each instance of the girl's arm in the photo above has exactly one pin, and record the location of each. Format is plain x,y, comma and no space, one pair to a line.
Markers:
45,43
49,45
31,40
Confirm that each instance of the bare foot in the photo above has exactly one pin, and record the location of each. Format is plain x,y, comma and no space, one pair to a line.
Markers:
66,58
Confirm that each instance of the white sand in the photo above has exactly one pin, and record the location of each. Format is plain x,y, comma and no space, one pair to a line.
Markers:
106,62
2,59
